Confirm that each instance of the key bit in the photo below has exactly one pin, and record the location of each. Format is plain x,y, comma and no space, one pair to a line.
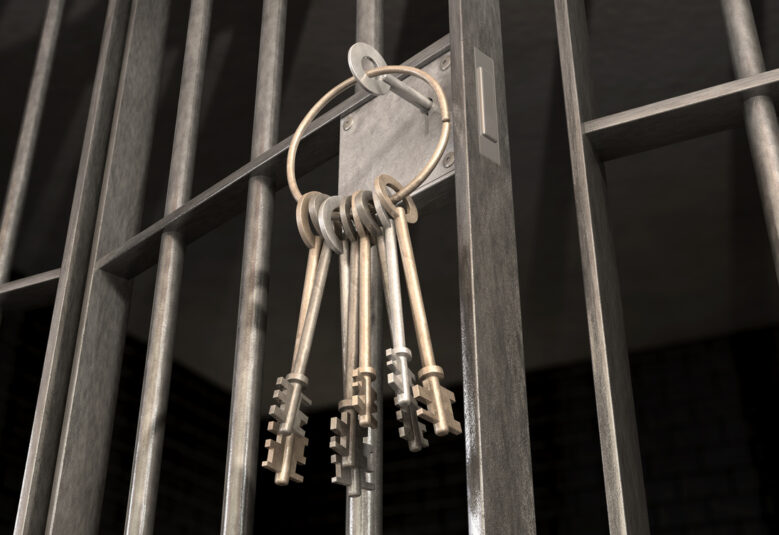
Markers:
438,402
351,455
285,453
411,429
401,380
288,404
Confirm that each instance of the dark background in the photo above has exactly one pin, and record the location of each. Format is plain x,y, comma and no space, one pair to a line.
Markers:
699,289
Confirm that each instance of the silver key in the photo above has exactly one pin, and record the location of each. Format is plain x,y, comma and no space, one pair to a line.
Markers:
351,452
287,450
401,379
436,398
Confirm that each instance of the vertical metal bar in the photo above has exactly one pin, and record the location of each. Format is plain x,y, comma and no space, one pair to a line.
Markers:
759,112
623,476
86,430
243,441
28,136
497,441
364,512
370,23
141,507
47,423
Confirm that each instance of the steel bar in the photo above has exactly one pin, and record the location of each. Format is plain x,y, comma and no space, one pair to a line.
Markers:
497,442
679,118
30,292
142,501
226,198
47,423
370,23
409,94
241,470
623,475
364,512
79,479
759,112
28,136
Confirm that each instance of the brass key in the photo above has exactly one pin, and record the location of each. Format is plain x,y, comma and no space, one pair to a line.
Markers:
436,398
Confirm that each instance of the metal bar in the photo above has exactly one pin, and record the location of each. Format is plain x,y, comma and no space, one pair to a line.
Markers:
759,112
409,94
370,23
28,136
499,470
55,377
624,481
679,118
241,470
142,503
86,431
29,292
364,512
225,199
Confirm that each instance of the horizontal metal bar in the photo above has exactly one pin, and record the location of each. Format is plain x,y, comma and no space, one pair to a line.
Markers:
226,198
676,119
30,292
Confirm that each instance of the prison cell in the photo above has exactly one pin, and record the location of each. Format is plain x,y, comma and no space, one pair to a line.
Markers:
106,249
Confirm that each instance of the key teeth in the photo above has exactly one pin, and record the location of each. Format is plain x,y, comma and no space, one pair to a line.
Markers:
411,429
280,408
275,459
443,424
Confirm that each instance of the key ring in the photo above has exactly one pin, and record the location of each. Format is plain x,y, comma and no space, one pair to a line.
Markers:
406,190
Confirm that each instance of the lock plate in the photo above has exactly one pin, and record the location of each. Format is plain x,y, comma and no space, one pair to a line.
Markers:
388,135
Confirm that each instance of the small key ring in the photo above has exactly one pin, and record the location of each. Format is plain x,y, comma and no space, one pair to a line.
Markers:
308,227
385,203
327,228
361,205
443,139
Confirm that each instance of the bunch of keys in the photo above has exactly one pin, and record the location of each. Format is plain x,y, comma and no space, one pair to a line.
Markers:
351,226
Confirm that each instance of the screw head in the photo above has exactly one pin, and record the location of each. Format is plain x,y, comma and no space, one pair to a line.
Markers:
446,61
348,123
448,159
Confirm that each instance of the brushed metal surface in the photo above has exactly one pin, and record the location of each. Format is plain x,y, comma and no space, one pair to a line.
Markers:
244,434
623,475
759,112
497,441
390,136
142,501
69,291
364,512
82,461
28,136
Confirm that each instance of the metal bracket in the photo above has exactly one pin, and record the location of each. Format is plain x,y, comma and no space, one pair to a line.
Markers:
388,136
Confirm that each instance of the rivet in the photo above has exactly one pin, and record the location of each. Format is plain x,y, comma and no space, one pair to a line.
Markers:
445,62
348,124
449,159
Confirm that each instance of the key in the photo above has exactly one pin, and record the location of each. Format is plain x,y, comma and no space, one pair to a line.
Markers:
364,375
401,379
287,450
351,453
436,399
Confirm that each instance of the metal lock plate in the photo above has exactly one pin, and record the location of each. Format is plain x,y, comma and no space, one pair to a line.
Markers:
391,136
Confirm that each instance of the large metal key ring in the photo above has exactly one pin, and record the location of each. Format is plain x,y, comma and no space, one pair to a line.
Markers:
349,82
